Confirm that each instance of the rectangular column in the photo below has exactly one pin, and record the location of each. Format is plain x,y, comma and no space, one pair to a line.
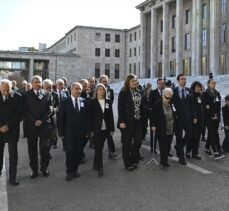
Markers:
227,40
154,47
165,57
179,37
30,73
143,45
193,67
214,36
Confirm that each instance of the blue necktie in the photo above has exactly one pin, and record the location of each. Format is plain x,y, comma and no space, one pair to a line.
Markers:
183,96
76,105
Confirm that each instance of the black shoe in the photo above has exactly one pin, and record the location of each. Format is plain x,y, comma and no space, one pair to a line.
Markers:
92,146
165,165
14,182
34,175
69,177
218,156
100,172
188,155
45,172
182,161
170,155
50,156
130,168
112,156
197,157
83,161
135,165
76,174
209,153
203,139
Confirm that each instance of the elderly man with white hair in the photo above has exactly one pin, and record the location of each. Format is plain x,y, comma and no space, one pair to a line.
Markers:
10,115
162,120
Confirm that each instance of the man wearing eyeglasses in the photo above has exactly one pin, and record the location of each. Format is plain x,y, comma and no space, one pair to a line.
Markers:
186,116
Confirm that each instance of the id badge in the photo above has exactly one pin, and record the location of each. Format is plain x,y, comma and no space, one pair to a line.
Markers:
199,100
107,106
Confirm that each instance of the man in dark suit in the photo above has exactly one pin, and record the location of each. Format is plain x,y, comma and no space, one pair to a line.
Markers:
10,116
37,114
186,116
74,128
110,95
62,93
154,96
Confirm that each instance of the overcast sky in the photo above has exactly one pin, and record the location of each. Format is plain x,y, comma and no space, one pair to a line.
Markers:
28,22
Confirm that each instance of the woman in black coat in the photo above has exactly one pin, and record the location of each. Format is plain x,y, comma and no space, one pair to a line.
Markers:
162,120
225,111
101,124
212,108
130,113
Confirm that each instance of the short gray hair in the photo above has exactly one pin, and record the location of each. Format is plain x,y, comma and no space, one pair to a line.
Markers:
59,81
84,81
37,77
47,81
76,83
8,82
167,91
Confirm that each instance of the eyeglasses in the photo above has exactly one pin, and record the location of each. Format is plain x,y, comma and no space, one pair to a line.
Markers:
167,98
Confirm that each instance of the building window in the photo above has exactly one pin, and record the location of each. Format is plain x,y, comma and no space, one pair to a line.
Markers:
139,50
130,68
130,37
117,38
139,34
173,44
187,41
97,36
139,69
222,64
130,52
74,36
223,33
223,6
135,36
204,38
161,47
187,66
117,53
107,52
135,68
204,11
172,68
117,68
107,70
107,37
174,21
161,25
97,52
97,70
135,52
187,16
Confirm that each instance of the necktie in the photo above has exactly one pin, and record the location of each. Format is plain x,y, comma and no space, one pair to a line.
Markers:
76,105
60,96
37,93
183,96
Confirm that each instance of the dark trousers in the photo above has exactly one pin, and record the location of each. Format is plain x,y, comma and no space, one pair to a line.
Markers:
153,140
181,142
99,140
131,143
33,153
213,135
13,158
194,144
85,141
73,150
164,144
110,143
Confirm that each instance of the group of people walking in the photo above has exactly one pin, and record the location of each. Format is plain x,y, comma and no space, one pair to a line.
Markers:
83,113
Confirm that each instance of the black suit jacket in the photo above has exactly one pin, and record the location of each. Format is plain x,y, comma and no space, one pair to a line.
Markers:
225,110
72,123
126,110
176,100
10,115
97,116
110,94
37,109
153,97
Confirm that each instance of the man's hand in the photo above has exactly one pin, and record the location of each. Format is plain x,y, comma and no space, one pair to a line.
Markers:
4,129
38,123
194,121
122,125
153,129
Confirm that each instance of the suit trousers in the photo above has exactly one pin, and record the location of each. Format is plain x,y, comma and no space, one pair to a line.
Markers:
73,150
110,143
99,140
164,144
194,144
181,142
13,158
131,143
33,153
213,135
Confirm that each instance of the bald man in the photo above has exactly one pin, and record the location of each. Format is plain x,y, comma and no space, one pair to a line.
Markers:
10,115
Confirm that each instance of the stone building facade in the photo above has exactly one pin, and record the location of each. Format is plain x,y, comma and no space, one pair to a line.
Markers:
184,36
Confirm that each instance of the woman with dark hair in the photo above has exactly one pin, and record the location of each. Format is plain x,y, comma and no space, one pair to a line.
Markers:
193,145
130,114
102,124
146,104
212,108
